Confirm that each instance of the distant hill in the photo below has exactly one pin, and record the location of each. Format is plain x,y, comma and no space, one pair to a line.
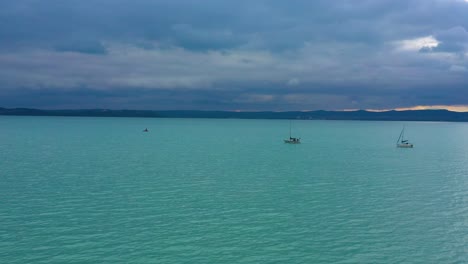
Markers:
415,115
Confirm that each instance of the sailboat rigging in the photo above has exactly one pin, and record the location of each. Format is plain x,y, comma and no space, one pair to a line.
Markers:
292,140
402,142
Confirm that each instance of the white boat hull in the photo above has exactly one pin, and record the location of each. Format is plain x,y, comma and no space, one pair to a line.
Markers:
407,145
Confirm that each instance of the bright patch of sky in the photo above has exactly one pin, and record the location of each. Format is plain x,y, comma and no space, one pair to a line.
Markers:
453,108
417,44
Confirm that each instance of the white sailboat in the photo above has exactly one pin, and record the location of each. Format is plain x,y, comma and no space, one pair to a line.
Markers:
292,140
402,142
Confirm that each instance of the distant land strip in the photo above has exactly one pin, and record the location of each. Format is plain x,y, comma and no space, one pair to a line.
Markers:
410,115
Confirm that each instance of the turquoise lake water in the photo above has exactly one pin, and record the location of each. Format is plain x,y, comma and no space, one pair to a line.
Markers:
98,190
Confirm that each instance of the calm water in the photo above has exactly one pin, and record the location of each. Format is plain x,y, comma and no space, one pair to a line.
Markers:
98,190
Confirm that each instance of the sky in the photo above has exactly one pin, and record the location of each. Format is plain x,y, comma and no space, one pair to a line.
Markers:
243,55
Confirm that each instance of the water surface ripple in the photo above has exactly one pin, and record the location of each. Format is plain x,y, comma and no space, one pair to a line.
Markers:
98,190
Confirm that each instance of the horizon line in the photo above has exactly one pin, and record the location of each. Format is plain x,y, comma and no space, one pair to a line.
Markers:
452,108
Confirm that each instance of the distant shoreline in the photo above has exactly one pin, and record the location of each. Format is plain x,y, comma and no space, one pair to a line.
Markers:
409,115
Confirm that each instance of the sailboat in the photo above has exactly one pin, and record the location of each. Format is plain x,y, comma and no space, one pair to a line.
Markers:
292,140
402,142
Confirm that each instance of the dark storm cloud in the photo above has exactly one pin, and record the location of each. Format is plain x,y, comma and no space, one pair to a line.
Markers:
225,23
256,55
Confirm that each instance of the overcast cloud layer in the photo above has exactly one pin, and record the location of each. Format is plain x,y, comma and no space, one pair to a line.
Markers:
233,55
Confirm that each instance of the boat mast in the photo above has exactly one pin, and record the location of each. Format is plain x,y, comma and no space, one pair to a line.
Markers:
401,135
290,128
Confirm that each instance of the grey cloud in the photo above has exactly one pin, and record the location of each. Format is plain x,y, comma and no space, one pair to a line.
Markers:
81,46
450,47
454,40
261,54
456,34
195,24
